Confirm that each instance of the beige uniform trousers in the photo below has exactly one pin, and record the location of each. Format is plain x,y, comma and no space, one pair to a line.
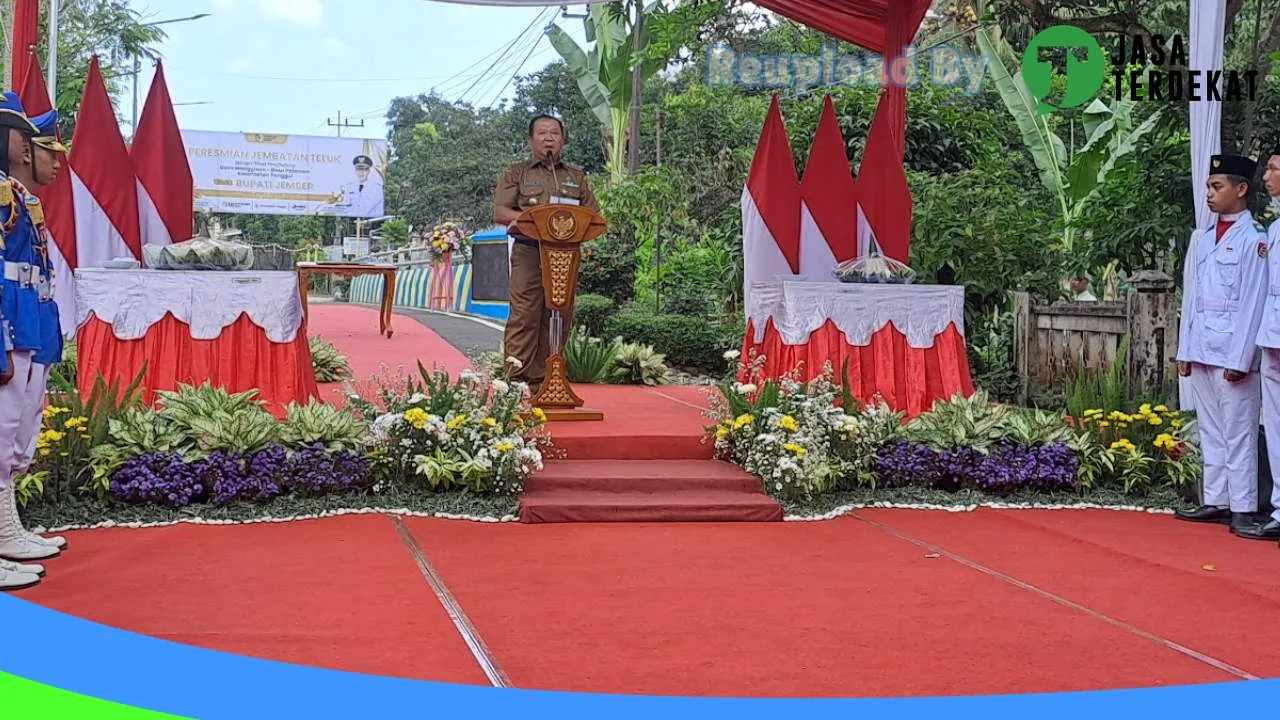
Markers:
528,333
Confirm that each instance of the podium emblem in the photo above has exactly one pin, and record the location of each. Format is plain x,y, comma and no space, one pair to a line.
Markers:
562,225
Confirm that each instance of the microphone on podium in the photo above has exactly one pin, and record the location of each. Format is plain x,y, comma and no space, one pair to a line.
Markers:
555,180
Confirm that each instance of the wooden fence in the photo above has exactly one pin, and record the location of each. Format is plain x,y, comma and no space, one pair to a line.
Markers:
1052,343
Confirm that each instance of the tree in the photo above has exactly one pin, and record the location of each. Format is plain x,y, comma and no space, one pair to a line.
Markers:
109,29
613,72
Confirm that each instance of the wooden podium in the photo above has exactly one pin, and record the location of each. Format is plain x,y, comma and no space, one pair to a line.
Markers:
560,230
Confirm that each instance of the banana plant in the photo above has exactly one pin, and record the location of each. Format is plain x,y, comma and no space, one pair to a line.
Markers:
603,73
1073,176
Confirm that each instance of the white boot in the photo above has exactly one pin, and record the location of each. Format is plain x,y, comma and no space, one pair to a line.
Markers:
17,581
8,497
15,544
14,567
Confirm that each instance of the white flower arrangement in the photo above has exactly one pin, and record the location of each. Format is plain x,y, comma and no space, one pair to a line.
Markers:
800,439
478,432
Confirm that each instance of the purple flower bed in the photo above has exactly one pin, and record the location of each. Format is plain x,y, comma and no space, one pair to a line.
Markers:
1009,466
157,479
314,472
224,478
232,479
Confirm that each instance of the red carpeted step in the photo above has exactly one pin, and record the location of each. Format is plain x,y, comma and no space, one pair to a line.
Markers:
651,476
562,506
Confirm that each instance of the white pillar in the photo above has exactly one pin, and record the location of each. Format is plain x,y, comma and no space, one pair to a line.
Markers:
52,81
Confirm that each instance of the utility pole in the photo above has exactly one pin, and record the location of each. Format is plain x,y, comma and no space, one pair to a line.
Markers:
343,123
52,70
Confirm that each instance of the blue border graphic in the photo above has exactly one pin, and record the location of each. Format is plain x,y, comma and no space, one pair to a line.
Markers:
72,654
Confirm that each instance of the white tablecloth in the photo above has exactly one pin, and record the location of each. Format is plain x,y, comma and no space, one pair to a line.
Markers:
859,310
131,301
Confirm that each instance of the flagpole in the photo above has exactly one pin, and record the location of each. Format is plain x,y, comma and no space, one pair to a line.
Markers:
53,52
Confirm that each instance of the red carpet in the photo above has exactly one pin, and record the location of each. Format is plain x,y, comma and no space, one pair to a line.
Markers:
341,593
1146,570
814,609
640,423
825,609
646,491
354,330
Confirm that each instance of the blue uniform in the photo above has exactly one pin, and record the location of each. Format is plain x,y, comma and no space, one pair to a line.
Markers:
26,279
6,342
50,352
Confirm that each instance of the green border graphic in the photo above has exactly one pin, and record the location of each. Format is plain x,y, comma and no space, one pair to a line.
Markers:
21,699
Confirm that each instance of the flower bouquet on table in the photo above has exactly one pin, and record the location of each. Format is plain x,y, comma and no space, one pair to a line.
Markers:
447,238
874,268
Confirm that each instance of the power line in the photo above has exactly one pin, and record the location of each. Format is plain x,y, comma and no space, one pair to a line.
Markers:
512,44
514,74
340,124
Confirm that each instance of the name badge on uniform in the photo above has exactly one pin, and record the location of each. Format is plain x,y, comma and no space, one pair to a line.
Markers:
565,200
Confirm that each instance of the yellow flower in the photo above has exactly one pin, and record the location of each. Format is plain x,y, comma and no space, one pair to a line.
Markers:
1165,442
743,421
1155,420
1122,444
722,432
416,417
52,436
1161,408
539,415
490,422
44,452
75,422
1104,424
797,450
504,447
457,422
788,423
1145,409
1175,423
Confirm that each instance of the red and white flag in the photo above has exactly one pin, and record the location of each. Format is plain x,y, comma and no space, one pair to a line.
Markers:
103,185
166,191
828,218
59,211
26,32
771,207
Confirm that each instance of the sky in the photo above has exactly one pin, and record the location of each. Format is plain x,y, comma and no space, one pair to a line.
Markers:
291,66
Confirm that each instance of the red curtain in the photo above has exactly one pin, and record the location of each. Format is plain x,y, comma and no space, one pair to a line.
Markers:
909,379
240,359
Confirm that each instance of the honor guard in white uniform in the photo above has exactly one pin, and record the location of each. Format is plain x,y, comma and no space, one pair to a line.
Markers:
1269,341
1223,292
19,297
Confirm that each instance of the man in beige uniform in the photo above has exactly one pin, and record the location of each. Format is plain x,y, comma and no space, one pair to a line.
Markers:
543,178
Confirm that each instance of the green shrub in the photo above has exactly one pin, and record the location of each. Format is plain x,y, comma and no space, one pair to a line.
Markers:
587,358
637,365
330,365
687,341
590,311
608,269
